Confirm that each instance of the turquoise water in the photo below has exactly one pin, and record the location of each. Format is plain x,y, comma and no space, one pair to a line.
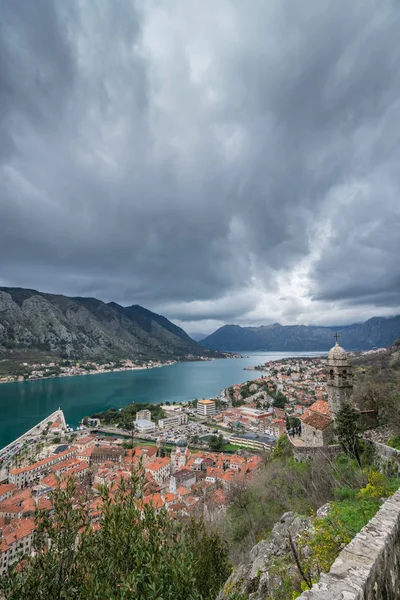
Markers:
24,404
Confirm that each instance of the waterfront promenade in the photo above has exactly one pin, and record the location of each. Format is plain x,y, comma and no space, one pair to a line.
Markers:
9,452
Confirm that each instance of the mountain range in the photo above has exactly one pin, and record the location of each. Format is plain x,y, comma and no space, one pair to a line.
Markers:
376,332
87,328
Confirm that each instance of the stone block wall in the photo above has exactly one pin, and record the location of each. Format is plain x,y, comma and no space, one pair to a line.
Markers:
387,458
369,567
301,453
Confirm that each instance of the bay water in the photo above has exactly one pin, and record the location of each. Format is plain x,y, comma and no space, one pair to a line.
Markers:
24,404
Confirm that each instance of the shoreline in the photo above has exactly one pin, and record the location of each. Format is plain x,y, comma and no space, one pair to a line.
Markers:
116,370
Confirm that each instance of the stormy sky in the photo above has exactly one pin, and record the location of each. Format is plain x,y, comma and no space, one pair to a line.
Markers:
219,162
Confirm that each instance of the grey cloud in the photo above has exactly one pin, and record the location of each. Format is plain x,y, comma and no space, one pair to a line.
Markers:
169,153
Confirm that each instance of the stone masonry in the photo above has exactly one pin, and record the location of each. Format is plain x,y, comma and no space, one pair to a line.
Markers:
369,567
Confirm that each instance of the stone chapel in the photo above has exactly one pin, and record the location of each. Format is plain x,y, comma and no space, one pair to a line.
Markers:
317,428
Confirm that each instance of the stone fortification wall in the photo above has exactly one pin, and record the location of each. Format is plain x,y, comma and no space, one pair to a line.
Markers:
387,459
301,453
369,567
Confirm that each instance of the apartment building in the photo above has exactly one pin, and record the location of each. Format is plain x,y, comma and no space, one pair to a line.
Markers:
160,469
173,421
6,490
206,408
143,414
16,541
26,475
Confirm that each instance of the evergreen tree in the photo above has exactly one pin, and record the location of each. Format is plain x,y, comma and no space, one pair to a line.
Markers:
347,429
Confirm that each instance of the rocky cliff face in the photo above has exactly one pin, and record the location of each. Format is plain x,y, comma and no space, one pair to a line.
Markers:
88,328
270,562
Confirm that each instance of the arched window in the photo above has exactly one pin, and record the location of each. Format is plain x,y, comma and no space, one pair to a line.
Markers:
344,373
331,374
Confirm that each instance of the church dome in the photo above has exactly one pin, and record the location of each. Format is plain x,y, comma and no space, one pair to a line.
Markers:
182,443
337,353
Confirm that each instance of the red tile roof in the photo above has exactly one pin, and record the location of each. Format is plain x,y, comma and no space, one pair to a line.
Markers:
158,464
316,420
321,407
42,463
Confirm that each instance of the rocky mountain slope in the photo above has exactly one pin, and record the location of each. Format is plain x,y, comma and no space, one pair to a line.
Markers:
376,332
270,562
88,328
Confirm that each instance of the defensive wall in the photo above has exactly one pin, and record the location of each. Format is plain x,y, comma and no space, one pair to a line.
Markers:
368,568
301,453
386,458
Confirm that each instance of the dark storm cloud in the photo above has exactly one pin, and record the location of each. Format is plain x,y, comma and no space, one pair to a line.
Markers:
186,155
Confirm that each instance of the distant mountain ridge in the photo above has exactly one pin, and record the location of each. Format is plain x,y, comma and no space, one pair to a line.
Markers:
87,328
376,332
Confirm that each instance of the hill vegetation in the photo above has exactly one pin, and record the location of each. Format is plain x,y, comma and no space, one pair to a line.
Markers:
377,385
376,332
137,552
41,326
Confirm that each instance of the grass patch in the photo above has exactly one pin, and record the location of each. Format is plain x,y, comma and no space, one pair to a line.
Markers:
231,447
394,442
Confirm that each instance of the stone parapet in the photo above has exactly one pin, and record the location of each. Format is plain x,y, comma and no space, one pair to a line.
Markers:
369,567
388,459
301,453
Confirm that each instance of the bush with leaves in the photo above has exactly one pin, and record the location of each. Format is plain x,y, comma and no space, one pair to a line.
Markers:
134,552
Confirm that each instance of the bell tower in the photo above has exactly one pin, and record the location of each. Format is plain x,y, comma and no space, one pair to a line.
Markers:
340,378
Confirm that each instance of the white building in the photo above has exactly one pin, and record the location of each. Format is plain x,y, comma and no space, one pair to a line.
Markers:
143,415
16,541
25,475
160,469
173,421
206,408
145,426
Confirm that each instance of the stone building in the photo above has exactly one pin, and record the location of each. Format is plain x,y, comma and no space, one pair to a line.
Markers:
317,425
339,379
180,455
318,421
102,454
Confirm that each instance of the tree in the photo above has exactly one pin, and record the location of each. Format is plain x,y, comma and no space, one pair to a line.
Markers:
347,429
279,399
137,552
216,442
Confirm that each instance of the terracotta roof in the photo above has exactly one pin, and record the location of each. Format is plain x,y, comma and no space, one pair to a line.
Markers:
86,452
154,500
85,440
44,462
7,487
321,407
107,451
316,420
158,464
44,503
176,507
15,531
169,497
237,460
